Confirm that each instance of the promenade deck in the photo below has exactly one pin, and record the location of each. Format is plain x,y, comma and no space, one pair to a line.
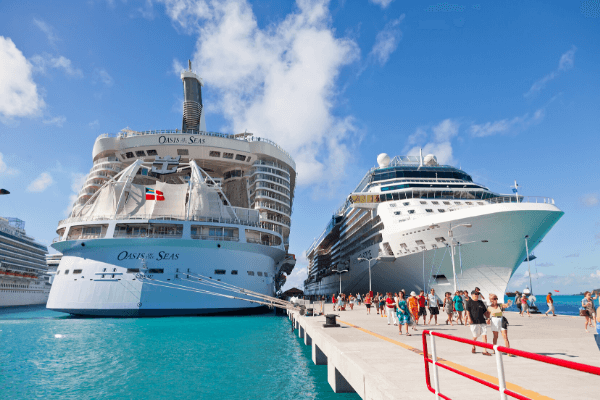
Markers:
368,356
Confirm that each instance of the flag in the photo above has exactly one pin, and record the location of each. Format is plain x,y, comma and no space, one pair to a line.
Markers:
556,291
152,194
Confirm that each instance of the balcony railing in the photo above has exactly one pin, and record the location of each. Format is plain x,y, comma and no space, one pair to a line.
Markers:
216,237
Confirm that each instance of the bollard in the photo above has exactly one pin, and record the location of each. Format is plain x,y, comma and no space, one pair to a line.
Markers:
330,321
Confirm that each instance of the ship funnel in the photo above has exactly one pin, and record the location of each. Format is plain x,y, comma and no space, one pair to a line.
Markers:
193,115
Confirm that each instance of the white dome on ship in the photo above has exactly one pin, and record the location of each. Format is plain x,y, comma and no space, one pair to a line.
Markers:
430,160
383,160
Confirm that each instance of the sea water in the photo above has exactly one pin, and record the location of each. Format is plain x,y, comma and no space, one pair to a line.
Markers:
45,354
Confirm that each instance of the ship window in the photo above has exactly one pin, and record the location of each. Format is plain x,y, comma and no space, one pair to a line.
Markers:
123,156
469,203
441,210
429,210
457,202
140,153
423,202
440,239
435,202
220,272
240,157
392,204
129,154
266,274
67,272
214,153
251,273
480,203
405,204
133,270
152,153
228,155
259,273
446,203
156,271
57,272
183,152
411,211
397,212
248,159
77,271
234,272
403,245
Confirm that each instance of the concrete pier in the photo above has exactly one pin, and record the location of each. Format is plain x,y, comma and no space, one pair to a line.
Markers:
369,357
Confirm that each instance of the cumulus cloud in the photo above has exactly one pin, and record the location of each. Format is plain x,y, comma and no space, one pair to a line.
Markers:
382,3
566,62
57,121
47,29
177,67
296,279
5,170
596,274
101,75
589,200
387,41
278,82
436,140
572,255
77,181
19,95
41,64
40,183
507,125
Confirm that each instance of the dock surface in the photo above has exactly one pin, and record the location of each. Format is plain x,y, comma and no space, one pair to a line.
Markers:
367,356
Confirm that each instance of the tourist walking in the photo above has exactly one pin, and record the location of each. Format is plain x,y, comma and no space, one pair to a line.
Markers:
376,299
498,322
478,314
422,300
368,303
358,299
518,301
524,306
413,307
448,307
433,303
587,308
458,306
403,313
382,306
550,302
390,306
333,300
479,295
466,300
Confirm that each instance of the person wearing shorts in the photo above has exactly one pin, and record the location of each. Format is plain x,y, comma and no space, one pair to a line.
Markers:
477,314
368,303
422,310
496,311
432,302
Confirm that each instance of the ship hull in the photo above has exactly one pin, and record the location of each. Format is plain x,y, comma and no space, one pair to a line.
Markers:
108,281
12,294
490,252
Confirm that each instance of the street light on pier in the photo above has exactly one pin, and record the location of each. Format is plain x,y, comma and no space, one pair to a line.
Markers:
379,258
451,236
340,274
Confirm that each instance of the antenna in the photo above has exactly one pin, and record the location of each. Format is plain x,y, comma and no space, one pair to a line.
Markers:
516,190
189,65
421,157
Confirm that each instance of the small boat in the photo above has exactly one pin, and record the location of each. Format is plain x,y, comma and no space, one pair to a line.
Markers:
510,294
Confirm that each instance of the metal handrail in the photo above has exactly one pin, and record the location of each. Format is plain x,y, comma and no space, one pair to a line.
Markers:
501,387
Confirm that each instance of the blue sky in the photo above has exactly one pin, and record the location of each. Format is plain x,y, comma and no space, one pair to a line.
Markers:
505,91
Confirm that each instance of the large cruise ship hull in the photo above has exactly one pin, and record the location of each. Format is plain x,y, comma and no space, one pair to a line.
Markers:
31,294
107,282
490,251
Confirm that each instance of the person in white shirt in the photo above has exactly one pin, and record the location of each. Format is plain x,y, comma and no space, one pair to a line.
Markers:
432,303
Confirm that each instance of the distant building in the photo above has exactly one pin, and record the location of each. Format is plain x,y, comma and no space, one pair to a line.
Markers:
293,292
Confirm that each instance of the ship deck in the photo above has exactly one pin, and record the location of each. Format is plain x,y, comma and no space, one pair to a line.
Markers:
367,356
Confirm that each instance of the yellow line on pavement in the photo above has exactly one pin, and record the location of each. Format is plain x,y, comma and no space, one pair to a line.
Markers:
511,386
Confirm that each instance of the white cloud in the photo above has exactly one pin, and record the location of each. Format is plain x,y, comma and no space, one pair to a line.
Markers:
387,41
58,121
48,31
42,62
566,62
40,183
296,279
101,75
177,67
278,82
94,124
5,170
382,3
513,125
19,95
590,200
77,181
436,141
595,274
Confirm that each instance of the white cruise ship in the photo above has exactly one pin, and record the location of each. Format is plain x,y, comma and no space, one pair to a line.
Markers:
23,277
406,217
176,205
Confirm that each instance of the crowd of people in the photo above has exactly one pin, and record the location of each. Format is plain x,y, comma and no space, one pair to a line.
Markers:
405,311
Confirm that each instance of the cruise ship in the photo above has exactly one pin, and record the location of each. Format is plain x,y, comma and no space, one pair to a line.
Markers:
163,213
414,224
23,273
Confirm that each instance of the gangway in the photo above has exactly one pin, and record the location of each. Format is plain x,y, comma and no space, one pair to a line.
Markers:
501,387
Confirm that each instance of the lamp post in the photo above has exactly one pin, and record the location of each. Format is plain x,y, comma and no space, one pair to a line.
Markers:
340,274
451,236
379,258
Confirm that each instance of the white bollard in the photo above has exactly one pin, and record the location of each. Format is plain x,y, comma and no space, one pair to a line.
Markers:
500,366
436,381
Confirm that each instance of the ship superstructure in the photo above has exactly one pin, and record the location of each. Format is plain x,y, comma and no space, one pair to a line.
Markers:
406,218
174,201
23,272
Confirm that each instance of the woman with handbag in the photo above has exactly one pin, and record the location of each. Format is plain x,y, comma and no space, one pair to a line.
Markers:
498,322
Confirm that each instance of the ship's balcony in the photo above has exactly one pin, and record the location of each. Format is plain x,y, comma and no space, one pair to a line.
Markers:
272,164
259,205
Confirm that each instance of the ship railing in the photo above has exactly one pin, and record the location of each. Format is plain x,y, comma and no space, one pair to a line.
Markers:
146,234
216,237
434,387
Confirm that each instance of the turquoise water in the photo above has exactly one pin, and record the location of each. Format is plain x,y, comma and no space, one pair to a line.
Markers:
45,354
564,305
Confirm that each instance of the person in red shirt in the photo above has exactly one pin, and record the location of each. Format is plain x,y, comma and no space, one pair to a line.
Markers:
333,301
422,310
390,304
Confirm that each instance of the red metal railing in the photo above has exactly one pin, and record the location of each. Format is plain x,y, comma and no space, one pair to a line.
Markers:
498,350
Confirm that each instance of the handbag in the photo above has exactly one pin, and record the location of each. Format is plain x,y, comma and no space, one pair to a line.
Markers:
504,323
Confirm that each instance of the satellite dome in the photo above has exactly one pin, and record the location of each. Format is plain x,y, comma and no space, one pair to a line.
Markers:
430,160
383,160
